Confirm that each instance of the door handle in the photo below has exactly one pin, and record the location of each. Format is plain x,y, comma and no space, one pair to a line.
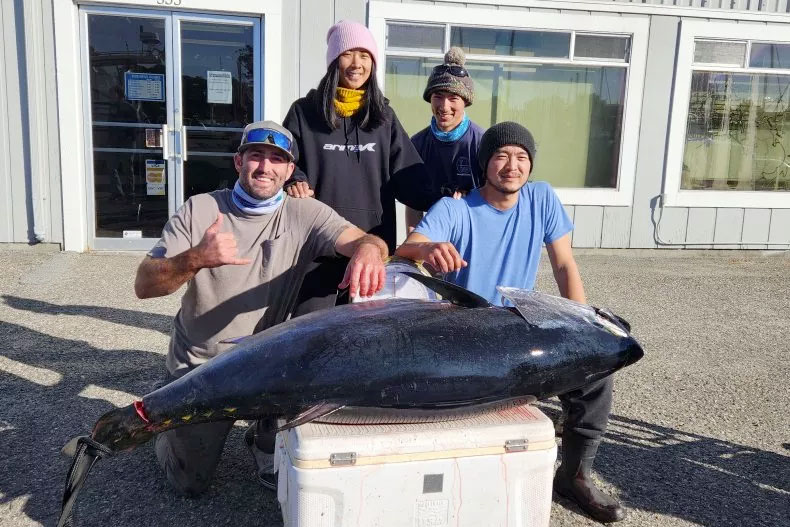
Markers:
165,149
184,143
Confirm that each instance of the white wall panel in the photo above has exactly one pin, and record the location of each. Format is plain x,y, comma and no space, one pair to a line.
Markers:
570,210
6,209
355,10
616,229
587,221
317,16
780,227
756,223
16,103
728,228
291,40
671,224
653,127
701,227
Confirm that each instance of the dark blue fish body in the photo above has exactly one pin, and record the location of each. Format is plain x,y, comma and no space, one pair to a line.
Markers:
397,354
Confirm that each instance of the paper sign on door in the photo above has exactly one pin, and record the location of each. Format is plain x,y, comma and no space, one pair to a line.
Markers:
219,87
155,177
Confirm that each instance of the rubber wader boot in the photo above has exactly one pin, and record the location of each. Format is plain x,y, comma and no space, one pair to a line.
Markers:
573,480
262,450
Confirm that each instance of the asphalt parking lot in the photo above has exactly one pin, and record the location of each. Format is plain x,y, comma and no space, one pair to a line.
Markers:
699,434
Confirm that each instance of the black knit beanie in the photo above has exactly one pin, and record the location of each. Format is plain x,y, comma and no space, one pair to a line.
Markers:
446,81
503,134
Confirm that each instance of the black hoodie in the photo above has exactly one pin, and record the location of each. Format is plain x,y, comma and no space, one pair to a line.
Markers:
358,172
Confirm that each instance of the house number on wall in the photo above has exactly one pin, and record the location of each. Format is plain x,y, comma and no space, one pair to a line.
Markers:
168,2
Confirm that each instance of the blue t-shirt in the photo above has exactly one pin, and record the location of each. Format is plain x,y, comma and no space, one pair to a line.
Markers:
501,247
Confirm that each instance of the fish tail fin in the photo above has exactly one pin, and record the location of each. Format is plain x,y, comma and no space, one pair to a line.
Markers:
120,429
123,428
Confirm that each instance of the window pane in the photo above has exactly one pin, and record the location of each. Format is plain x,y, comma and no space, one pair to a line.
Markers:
719,52
738,133
770,55
601,47
404,83
480,41
401,36
575,113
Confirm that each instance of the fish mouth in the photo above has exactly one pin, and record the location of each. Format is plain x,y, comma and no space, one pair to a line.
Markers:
635,352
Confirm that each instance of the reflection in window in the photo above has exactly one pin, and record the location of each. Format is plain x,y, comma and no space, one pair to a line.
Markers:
483,41
770,56
738,132
408,36
601,47
221,49
719,52
575,112
119,45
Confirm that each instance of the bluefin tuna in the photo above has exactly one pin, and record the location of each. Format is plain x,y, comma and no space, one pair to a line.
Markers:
399,354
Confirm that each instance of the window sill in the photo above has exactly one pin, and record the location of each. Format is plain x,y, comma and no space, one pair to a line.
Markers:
729,198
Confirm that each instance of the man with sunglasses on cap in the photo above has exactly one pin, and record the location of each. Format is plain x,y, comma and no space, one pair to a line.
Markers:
492,237
243,253
449,146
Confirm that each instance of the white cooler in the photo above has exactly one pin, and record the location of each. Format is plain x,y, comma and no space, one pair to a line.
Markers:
490,469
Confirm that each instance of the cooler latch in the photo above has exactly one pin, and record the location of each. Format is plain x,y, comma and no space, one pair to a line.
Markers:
516,445
343,458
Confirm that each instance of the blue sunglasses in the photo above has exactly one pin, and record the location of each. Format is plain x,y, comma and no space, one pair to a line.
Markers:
268,136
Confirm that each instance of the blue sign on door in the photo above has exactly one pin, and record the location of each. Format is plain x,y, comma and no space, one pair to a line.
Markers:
144,86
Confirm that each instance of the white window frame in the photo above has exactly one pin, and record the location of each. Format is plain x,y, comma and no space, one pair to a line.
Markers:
380,13
713,30
70,86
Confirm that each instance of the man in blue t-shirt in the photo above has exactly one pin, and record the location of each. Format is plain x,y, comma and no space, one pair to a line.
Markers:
493,236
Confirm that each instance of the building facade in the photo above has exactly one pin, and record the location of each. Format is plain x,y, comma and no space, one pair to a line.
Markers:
663,124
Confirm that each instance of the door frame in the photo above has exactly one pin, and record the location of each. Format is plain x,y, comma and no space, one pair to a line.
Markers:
131,244
71,88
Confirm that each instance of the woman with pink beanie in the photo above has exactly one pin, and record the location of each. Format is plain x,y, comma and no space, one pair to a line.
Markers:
352,154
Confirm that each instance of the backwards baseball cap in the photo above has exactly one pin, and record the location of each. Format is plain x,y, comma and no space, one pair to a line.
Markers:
267,133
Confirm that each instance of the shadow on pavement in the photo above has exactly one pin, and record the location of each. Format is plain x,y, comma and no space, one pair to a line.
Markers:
700,479
126,317
37,420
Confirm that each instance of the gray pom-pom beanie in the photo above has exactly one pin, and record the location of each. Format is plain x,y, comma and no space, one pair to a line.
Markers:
446,81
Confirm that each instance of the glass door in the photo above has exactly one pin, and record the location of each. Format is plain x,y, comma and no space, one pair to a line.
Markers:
167,98
128,74
218,61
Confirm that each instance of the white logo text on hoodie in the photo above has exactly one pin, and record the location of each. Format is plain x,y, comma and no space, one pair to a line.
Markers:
351,148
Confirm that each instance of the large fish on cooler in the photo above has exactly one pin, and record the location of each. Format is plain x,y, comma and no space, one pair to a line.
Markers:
402,354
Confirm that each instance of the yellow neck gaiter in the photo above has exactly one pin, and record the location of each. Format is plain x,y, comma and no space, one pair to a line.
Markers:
347,102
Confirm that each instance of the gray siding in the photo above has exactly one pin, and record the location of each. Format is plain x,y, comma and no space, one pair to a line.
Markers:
763,6
29,166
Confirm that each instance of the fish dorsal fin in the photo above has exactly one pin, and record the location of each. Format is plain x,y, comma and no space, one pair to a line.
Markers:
544,310
454,293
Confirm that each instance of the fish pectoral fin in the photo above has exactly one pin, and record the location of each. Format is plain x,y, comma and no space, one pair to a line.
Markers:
454,293
312,413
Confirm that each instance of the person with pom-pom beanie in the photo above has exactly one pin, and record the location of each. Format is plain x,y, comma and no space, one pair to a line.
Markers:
449,145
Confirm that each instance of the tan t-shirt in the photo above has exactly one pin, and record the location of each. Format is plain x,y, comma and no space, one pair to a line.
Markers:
238,300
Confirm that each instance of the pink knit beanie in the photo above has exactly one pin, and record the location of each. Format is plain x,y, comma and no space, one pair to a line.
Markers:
347,35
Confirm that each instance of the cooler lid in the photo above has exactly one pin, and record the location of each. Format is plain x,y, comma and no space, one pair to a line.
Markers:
355,440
